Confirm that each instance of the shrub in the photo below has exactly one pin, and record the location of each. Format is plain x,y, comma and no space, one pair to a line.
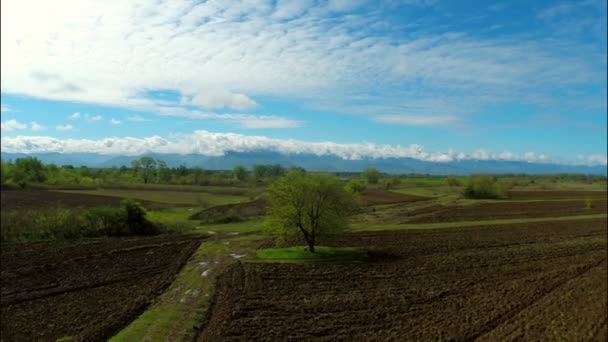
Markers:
355,186
136,221
589,203
63,223
484,187
105,222
230,216
371,175
452,181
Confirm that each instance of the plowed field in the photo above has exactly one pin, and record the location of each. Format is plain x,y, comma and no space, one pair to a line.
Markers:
540,281
41,199
85,289
491,211
556,194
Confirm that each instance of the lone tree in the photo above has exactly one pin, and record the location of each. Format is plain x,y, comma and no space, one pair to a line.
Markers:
240,173
312,204
146,166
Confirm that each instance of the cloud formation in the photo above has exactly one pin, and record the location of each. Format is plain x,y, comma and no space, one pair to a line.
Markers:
36,127
66,127
217,144
12,125
409,120
321,54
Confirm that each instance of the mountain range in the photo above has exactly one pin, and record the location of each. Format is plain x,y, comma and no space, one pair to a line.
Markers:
316,163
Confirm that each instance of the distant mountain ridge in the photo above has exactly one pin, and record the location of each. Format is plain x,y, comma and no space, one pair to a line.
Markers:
316,163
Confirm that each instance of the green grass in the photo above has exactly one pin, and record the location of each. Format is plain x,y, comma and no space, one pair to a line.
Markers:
185,303
238,227
380,227
423,191
168,197
301,254
424,181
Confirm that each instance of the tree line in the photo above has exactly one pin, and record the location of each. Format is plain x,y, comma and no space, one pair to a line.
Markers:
146,170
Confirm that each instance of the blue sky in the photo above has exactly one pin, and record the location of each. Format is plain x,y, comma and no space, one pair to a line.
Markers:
434,80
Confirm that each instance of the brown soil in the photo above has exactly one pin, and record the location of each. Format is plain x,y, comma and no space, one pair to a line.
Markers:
540,281
243,210
498,210
556,194
41,199
88,289
380,196
257,208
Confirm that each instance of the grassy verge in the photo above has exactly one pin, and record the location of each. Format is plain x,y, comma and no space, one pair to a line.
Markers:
301,254
177,313
380,227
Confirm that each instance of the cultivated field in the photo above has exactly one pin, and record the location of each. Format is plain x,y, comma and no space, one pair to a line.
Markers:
87,290
437,267
541,281
43,199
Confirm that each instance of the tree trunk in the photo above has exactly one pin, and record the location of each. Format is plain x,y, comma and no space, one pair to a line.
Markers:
311,243
311,246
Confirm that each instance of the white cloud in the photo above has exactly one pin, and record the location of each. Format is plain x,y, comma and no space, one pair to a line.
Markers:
410,120
216,99
75,116
137,118
247,121
4,108
64,127
595,159
115,122
94,117
217,144
227,54
12,125
34,126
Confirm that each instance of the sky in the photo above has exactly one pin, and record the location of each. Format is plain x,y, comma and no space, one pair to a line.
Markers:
426,79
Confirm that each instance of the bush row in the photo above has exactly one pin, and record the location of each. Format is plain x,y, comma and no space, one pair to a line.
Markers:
63,223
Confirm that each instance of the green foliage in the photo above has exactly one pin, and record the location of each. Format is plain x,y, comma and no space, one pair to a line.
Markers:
28,170
355,186
371,175
63,223
589,203
452,181
309,204
301,253
264,172
146,167
484,187
391,182
231,216
240,173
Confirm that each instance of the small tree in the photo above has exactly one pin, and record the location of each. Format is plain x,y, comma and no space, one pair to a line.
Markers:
371,175
145,166
355,186
452,181
311,204
28,170
484,186
240,173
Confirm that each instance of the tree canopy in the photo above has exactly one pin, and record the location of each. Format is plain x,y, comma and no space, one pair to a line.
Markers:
312,205
371,175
